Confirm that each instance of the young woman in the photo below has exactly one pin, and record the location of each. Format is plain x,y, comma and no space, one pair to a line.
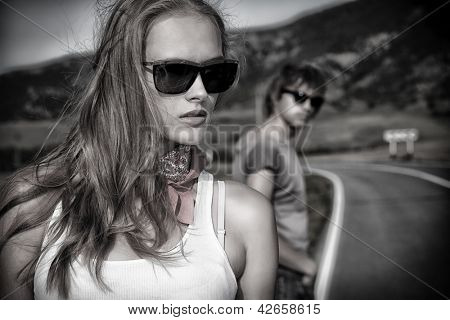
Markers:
123,208
267,161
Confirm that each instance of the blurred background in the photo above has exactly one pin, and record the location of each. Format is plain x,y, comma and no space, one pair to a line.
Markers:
387,65
385,69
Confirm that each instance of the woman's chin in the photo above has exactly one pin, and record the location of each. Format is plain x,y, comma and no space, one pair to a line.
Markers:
191,136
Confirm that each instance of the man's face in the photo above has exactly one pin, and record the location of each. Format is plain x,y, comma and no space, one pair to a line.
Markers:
296,104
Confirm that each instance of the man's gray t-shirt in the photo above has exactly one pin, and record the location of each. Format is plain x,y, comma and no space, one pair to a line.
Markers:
254,153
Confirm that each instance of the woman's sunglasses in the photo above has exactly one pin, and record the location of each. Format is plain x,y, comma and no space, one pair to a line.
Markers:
175,77
301,97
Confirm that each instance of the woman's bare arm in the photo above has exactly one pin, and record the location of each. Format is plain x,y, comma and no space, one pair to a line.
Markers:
253,213
18,252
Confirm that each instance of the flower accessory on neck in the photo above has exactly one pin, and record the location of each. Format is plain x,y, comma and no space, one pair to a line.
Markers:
181,167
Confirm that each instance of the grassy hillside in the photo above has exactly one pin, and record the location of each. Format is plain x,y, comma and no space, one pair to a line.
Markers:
399,78
40,92
396,62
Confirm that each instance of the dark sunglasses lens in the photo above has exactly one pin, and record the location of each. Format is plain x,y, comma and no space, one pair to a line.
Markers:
300,97
316,102
174,78
219,77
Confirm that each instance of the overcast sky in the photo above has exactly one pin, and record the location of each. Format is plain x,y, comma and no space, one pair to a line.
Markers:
33,31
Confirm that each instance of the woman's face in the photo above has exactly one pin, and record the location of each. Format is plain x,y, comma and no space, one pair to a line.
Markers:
184,37
295,113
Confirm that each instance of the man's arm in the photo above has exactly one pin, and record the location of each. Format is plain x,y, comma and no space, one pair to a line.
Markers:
296,260
263,181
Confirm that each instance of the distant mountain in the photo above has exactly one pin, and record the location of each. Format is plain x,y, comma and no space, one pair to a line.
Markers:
397,61
398,57
40,92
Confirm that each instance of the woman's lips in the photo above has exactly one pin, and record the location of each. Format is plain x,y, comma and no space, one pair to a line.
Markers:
195,113
194,121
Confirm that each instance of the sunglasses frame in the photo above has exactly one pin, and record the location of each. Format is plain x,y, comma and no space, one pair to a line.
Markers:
301,97
199,66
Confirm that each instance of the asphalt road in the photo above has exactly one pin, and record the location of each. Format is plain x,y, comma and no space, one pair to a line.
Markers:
395,239
437,170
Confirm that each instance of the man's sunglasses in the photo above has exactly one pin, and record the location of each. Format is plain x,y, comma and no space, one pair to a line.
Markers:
301,97
175,77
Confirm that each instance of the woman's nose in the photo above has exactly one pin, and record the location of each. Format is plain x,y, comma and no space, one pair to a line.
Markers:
197,91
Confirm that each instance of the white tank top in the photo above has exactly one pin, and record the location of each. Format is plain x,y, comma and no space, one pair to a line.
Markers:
204,272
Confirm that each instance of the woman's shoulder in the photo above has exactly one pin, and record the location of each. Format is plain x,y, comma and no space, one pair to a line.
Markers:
246,207
238,192
22,230
23,204
250,219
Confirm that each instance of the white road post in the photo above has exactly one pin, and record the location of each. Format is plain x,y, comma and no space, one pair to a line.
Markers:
394,136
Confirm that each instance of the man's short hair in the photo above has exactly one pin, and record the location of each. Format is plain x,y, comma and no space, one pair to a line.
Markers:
291,74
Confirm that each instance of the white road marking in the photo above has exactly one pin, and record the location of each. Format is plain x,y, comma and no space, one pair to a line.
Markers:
394,169
328,260
413,173
430,164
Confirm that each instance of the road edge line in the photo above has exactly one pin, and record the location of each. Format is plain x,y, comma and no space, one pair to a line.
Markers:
328,256
412,173
396,170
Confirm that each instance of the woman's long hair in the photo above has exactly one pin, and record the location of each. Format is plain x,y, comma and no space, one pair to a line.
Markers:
109,158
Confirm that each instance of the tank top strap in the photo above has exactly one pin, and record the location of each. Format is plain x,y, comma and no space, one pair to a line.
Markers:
221,214
203,203
203,210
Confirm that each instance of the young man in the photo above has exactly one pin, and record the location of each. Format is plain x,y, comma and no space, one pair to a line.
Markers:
266,160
